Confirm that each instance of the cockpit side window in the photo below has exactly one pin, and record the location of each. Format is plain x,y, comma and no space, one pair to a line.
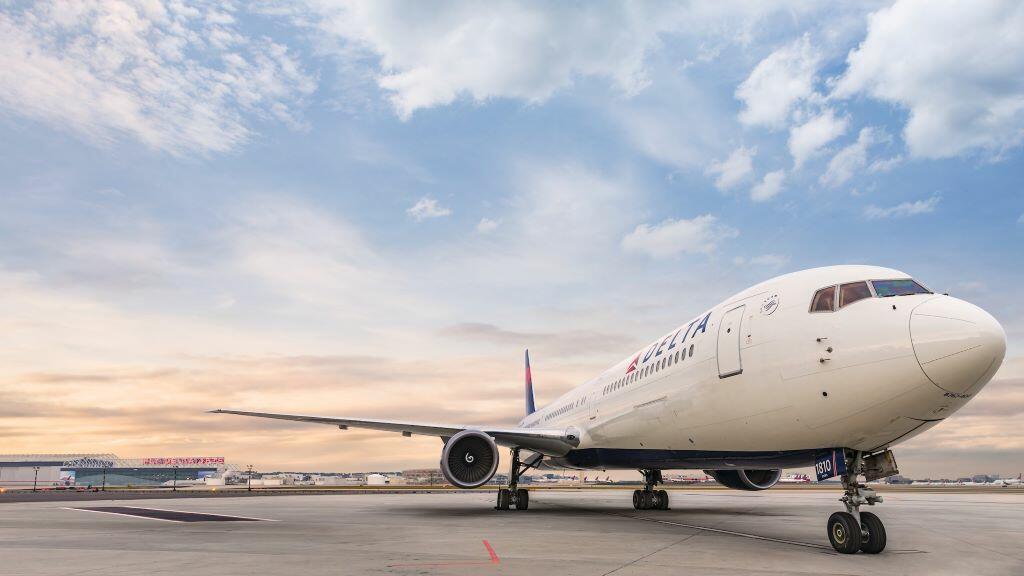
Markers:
904,287
850,293
824,300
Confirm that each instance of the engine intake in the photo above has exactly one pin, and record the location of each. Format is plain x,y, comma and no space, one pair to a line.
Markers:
469,459
746,479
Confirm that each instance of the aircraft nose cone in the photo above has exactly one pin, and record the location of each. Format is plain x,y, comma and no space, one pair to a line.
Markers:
958,345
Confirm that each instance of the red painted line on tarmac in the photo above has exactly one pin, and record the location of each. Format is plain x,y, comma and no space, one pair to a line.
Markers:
494,557
494,560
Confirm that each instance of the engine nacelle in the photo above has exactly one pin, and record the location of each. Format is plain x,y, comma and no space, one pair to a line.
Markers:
469,459
746,479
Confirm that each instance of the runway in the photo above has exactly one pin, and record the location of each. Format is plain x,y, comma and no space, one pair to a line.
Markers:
564,532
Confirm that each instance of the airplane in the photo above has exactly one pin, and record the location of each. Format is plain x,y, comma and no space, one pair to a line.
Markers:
1010,481
825,368
795,479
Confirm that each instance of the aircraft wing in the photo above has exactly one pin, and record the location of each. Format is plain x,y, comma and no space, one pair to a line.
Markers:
549,441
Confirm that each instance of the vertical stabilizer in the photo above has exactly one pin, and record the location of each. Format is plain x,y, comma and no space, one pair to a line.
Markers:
530,406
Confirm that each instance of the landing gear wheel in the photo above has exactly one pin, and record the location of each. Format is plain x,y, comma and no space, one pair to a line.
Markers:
662,500
873,541
504,499
650,501
522,499
844,532
636,499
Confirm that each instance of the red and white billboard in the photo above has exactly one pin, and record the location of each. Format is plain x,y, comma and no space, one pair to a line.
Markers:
185,461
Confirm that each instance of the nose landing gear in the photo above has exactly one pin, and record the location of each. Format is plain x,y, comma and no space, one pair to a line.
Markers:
649,498
845,532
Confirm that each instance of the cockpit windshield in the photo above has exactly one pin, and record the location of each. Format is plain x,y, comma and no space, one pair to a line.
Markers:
885,288
825,299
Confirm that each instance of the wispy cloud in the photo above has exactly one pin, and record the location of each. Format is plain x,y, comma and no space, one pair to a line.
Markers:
851,159
903,209
807,139
487,225
426,208
769,186
699,235
778,83
179,79
734,169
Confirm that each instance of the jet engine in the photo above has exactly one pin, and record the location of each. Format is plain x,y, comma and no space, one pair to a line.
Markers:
746,479
469,459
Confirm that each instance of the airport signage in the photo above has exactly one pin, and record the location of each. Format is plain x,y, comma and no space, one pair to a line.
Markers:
184,461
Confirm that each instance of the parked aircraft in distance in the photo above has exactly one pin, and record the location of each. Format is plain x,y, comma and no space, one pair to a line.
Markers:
795,479
1009,481
827,367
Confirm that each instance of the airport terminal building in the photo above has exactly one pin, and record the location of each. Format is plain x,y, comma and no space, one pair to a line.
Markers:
94,470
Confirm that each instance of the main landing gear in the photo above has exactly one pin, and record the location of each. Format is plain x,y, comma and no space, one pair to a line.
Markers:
514,495
649,498
846,534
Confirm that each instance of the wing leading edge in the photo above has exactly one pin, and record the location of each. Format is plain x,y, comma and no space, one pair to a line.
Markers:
551,442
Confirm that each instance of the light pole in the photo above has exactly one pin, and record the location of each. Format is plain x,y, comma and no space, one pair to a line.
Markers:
249,481
104,487
174,484
35,478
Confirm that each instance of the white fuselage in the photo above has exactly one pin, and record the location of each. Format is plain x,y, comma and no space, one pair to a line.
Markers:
761,373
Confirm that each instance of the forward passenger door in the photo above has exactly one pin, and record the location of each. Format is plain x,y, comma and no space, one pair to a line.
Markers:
729,361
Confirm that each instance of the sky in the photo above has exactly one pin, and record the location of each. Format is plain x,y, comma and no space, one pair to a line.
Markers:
371,208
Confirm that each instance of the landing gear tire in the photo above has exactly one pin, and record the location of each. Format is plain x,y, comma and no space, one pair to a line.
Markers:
873,530
522,499
636,499
844,532
650,501
662,499
504,499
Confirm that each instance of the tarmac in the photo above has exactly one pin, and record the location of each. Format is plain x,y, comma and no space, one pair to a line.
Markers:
586,532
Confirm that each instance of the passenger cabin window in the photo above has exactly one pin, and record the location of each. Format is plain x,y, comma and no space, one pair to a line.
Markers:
885,288
850,293
824,299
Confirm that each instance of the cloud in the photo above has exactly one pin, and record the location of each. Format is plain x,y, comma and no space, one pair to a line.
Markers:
487,225
852,158
427,207
769,187
766,260
807,139
178,79
734,169
902,210
564,344
885,164
431,56
422,57
699,235
778,83
958,67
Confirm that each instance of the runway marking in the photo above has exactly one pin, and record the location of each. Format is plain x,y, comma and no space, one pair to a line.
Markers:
494,557
99,511
164,515
207,513
490,550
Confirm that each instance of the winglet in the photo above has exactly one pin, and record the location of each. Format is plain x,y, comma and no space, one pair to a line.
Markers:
530,406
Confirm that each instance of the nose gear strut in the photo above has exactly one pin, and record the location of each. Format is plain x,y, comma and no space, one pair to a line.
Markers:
854,530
